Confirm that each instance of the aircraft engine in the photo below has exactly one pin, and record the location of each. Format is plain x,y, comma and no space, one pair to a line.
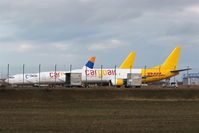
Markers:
120,82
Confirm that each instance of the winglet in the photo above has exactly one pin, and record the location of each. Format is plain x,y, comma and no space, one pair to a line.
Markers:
129,61
90,63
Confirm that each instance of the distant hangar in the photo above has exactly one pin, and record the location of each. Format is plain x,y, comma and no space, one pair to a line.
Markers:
191,79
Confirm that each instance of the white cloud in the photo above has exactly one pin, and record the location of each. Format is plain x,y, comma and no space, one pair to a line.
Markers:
193,9
106,45
62,46
26,47
53,27
68,56
86,0
18,47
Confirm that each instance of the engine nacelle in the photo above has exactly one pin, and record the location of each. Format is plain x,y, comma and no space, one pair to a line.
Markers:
119,82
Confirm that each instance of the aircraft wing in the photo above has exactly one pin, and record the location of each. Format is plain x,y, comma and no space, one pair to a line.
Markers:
180,70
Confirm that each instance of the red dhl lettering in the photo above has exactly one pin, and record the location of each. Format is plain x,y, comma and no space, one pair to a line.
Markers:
100,72
154,74
56,75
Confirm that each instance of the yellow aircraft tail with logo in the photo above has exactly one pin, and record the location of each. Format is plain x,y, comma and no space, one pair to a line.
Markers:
129,61
173,59
165,71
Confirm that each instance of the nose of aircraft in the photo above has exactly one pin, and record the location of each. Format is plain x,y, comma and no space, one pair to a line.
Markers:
6,80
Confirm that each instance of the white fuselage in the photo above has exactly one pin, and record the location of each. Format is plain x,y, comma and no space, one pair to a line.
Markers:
107,75
88,75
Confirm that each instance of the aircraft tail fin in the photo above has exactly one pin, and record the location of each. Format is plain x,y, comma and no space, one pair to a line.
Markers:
129,61
90,63
171,62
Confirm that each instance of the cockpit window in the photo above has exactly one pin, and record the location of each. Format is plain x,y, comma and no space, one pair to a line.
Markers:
11,77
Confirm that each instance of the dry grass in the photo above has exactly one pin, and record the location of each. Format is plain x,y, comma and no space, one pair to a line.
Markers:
99,110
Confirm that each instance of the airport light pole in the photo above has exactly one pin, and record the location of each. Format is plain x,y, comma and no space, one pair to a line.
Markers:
8,74
70,74
174,78
70,68
159,72
187,76
145,73
86,76
39,74
101,73
55,74
23,73
130,76
115,74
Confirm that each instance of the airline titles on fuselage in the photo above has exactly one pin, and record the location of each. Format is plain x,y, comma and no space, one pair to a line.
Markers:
100,73
56,74
51,75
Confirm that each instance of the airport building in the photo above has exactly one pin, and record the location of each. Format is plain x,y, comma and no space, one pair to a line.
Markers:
191,79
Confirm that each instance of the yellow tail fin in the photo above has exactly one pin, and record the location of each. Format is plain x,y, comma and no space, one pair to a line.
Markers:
172,61
129,61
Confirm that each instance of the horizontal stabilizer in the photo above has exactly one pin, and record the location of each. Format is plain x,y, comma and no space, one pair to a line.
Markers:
180,70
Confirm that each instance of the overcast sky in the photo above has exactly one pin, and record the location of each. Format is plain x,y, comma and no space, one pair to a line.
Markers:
70,31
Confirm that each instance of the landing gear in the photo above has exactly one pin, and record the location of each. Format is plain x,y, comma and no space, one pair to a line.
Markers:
170,84
166,83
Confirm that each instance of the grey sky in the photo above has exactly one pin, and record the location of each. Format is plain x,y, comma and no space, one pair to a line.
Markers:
70,31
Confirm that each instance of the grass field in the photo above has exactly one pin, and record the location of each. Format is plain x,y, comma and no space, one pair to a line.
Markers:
86,110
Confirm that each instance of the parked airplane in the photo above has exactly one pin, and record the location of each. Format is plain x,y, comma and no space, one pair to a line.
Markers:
117,77
58,77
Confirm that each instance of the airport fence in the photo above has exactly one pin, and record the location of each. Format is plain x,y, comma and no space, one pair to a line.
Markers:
9,70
